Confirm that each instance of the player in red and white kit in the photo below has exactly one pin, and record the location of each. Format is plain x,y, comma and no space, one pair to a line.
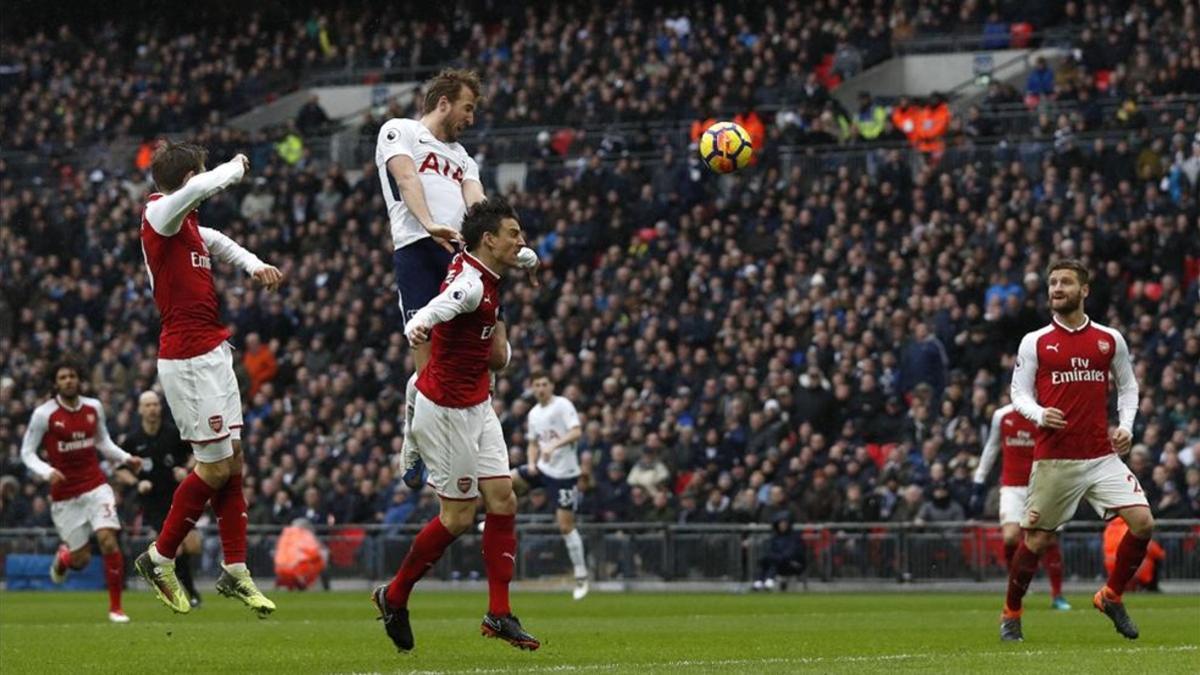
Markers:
1012,435
195,367
71,428
1060,382
453,423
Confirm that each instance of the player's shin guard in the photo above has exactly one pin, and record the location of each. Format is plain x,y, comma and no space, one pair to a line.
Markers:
1130,553
1020,573
427,547
230,506
114,577
1052,561
575,550
499,559
186,508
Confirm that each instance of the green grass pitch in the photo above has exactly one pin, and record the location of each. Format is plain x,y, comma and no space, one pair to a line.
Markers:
636,633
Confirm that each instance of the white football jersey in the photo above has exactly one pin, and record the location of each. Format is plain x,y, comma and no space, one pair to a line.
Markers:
442,168
548,423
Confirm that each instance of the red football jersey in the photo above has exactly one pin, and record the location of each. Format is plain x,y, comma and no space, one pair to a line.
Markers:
68,438
180,271
1058,367
1012,437
464,317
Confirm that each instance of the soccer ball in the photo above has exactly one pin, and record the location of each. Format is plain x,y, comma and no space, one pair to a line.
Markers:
725,147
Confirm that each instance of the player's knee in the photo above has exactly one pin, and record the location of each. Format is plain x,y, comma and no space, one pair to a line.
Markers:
503,504
457,521
1038,540
1142,526
81,558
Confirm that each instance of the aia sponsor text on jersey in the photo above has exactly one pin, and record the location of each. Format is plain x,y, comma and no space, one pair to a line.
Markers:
436,164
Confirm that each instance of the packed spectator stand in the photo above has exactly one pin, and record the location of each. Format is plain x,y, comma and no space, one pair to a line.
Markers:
823,338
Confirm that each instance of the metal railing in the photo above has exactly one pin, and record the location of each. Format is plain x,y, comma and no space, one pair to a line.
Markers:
719,552
980,41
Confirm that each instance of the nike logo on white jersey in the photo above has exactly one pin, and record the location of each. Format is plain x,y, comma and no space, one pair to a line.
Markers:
1052,348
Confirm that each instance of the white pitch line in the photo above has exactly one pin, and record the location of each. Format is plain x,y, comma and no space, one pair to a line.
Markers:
798,661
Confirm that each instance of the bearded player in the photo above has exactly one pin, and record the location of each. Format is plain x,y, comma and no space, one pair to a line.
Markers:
429,181
1011,435
1060,382
456,428
71,428
195,367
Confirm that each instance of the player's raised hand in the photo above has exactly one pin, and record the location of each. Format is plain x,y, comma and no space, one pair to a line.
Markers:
56,477
1122,441
144,487
1053,419
134,463
269,277
245,162
444,235
418,335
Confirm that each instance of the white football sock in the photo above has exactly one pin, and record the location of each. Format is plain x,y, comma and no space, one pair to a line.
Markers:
575,549
158,558
237,569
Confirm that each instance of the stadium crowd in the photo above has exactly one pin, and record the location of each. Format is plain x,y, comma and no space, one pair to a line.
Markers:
832,352
827,346
66,92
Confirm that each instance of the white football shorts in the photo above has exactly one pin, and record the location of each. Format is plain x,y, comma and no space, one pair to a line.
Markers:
76,518
460,446
1057,485
205,401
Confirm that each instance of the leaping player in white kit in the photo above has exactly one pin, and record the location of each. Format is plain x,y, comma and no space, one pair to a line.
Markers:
429,181
457,430
195,367
71,428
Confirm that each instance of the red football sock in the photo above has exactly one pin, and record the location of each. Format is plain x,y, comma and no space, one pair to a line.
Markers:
499,559
1052,561
427,547
1009,550
1130,553
186,507
1020,573
230,506
114,575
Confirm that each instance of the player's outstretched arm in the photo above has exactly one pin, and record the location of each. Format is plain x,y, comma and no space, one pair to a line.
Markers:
472,189
166,213
229,251
463,295
29,446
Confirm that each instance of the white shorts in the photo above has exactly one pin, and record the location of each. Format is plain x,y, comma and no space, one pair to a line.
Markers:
78,517
205,401
460,446
1057,485
1012,503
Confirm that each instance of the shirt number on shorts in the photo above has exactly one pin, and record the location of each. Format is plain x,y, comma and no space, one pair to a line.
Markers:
1136,488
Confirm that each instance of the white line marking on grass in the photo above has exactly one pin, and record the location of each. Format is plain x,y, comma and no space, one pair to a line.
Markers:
799,660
